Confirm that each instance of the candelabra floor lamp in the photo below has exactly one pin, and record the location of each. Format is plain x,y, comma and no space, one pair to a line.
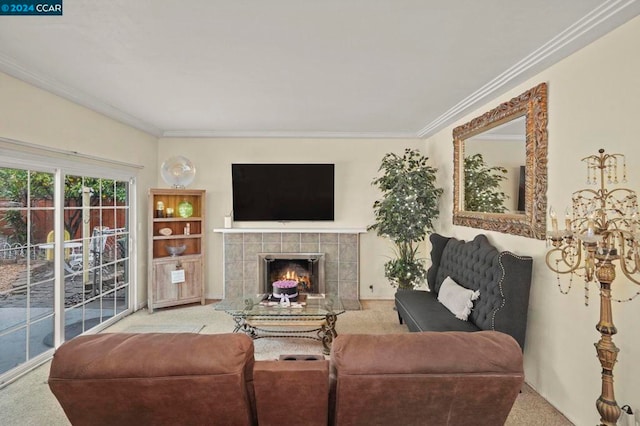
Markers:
601,232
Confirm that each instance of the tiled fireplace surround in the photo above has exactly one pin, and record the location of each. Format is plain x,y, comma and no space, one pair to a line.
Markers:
341,249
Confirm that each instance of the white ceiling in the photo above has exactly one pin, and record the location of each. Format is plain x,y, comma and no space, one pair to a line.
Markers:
298,68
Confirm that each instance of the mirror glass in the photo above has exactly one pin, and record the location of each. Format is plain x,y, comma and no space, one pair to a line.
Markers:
500,167
494,165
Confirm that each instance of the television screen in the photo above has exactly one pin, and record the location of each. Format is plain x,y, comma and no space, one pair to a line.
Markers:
282,192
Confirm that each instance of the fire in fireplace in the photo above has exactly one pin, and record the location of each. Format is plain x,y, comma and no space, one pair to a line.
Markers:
307,269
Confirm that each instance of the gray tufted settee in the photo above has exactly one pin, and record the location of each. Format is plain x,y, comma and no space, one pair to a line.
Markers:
502,278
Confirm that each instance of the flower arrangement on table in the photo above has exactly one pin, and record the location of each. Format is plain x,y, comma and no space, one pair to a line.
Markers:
286,291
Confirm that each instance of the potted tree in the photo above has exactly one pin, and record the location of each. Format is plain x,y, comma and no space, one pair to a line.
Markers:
405,213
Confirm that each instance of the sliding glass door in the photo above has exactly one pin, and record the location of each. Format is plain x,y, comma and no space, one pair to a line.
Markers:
96,213
55,287
26,265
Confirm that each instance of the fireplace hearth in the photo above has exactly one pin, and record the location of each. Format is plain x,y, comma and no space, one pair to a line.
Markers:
305,268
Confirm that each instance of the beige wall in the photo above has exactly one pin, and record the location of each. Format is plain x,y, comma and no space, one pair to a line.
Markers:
356,165
31,115
594,102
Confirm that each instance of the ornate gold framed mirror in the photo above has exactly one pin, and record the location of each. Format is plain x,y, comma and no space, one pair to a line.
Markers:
510,142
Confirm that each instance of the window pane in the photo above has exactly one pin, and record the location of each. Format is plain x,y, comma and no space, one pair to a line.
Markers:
74,291
122,244
122,272
122,299
80,319
73,323
42,253
122,193
42,187
13,310
108,192
41,302
40,336
108,305
14,226
13,187
14,350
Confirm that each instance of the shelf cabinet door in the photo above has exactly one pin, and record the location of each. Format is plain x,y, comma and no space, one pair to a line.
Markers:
192,287
164,291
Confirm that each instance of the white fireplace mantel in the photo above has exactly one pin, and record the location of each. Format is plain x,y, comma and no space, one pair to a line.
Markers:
291,230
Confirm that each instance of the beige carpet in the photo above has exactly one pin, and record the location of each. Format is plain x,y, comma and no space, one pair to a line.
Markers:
28,400
163,328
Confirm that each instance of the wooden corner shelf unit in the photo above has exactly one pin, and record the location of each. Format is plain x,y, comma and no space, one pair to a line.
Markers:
179,279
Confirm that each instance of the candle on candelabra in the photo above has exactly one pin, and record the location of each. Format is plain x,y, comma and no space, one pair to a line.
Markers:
591,225
567,220
554,220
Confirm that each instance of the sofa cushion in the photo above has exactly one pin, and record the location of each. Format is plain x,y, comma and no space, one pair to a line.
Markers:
456,298
422,311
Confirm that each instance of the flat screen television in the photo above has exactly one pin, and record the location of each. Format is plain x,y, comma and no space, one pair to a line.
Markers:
283,192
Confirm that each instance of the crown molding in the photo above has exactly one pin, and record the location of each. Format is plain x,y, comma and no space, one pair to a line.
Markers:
558,45
10,67
286,134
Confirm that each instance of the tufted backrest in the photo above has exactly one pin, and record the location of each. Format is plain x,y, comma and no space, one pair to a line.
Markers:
502,278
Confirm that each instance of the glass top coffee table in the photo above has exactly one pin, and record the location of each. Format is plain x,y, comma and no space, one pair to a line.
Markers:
311,317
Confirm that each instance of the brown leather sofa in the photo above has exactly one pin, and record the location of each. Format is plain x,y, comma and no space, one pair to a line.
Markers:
430,378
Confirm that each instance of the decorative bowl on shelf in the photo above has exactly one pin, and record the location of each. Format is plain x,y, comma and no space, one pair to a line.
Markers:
175,250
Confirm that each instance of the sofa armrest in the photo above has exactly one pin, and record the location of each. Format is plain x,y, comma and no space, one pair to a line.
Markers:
514,285
438,243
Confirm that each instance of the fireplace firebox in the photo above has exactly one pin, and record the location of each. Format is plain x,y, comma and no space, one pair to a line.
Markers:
305,268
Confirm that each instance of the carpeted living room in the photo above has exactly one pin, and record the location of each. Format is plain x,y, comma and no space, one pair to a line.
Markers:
423,207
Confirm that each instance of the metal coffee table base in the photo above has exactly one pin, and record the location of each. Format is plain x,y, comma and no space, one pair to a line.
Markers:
321,328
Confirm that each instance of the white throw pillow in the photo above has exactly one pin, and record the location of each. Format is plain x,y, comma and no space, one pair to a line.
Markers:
457,299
